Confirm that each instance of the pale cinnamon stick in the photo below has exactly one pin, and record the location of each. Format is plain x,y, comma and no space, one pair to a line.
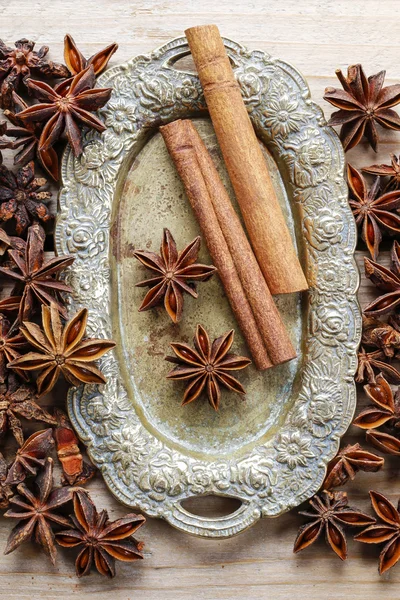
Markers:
265,313
187,165
247,168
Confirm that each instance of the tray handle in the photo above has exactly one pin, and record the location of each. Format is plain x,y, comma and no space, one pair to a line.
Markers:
219,527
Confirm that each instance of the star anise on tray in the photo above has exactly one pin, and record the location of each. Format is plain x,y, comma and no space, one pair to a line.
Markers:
371,210
19,63
36,278
77,63
37,511
348,462
102,541
6,491
19,401
30,456
387,280
368,361
362,104
391,171
21,197
12,343
75,470
175,274
330,514
27,137
66,112
387,532
207,367
62,350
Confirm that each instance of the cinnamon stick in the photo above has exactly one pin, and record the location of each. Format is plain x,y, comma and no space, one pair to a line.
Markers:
224,234
247,168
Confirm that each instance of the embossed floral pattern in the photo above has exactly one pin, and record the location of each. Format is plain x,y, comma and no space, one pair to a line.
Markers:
272,476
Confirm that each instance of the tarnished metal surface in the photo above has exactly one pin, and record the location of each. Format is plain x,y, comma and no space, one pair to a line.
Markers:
271,450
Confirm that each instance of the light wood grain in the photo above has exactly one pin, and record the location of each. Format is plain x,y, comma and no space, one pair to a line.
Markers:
317,36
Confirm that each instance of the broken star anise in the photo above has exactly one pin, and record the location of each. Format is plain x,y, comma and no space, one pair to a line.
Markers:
36,278
77,63
75,470
21,198
330,514
30,456
62,350
362,103
12,343
384,409
6,491
387,532
19,63
348,462
371,210
19,401
207,367
102,541
66,112
391,171
368,361
174,274
385,336
37,510
387,280
27,137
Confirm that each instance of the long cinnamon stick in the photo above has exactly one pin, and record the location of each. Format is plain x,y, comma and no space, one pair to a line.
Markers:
184,157
181,136
247,168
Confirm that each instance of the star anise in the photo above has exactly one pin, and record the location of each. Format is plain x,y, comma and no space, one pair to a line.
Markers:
30,456
36,278
27,137
362,103
207,367
75,470
19,401
330,514
387,280
386,407
387,532
62,350
66,112
37,510
368,361
77,63
10,242
12,343
17,64
348,462
174,272
392,171
385,442
102,541
21,198
6,491
371,210
382,335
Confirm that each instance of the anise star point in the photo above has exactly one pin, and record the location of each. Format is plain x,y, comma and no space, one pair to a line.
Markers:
387,280
207,367
348,461
362,104
175,273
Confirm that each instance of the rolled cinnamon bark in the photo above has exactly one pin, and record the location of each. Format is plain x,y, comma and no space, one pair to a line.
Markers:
247,168
184,157
224,235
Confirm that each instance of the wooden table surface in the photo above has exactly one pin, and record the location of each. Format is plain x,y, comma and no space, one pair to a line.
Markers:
317,36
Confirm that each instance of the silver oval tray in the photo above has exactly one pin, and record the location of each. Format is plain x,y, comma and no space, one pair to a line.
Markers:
270,451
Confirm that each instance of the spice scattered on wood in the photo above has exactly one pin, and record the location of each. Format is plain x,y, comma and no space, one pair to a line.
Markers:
330,514
175,273
346,464
30,456
362,104
246,165
387,280
207,367
391,172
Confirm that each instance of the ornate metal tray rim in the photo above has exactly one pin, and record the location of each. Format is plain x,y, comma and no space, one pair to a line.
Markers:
139,469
